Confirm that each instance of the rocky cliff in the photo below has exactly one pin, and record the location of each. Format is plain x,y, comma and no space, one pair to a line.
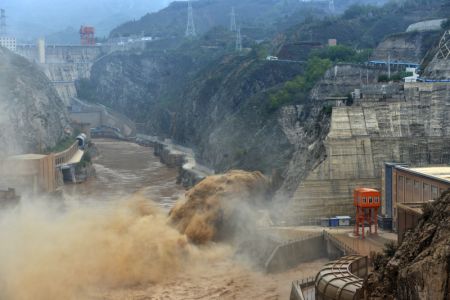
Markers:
406,47
33,117
217,105
420,268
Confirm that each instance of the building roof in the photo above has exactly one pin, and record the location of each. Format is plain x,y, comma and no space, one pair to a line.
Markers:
366,190
437,172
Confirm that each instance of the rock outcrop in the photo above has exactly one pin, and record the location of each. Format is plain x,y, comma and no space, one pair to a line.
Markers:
420,268
33,117
406,47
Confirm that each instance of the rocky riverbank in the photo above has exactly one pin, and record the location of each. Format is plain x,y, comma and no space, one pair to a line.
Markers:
175,156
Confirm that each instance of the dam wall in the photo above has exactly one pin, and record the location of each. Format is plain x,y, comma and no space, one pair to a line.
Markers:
412,126
63,64
96,115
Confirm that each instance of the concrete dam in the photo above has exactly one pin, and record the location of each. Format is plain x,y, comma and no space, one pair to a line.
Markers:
63,64
391,123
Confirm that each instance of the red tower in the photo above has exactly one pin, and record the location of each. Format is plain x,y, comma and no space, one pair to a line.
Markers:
367,201
87,35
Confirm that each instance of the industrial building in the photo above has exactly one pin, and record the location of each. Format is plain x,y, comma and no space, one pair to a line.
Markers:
405,190
8,42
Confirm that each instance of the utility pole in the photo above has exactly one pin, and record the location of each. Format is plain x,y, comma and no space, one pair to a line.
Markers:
190,29
2,22
389,65
233,20
367,68
238,40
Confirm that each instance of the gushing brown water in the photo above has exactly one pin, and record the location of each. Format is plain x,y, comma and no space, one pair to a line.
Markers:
48,254
109,241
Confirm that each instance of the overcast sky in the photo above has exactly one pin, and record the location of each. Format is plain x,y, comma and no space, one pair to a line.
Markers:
29,19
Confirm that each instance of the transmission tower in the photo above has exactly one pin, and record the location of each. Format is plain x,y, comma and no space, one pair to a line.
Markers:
233,20
444,46
238,40
331,5
2,22
190,30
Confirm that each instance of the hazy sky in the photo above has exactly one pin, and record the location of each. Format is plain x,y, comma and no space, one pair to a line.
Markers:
29,19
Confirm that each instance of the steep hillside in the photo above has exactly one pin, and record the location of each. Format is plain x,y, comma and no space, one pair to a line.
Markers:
420,268
32,117
366,26
219,106
257,17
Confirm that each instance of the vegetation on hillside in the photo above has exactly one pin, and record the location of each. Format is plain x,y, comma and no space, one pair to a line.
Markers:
364,26
297,89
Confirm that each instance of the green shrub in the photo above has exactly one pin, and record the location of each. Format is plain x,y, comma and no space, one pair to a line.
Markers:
383,78
297,89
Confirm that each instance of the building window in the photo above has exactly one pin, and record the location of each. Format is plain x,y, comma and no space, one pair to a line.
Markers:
400,189
364,199
434,192
417,192
409,190
370,199
426,192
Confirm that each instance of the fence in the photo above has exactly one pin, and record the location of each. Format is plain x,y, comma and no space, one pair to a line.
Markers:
347,250
303,289
64,156
292,253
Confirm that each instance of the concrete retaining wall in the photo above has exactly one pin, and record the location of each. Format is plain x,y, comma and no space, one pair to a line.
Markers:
291,254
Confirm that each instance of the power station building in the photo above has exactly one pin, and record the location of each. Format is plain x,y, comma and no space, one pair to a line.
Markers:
405,190
8,42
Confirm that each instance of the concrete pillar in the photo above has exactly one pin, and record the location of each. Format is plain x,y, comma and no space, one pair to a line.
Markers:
41,50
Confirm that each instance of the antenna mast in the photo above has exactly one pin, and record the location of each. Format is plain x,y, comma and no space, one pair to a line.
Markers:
190,30
233,20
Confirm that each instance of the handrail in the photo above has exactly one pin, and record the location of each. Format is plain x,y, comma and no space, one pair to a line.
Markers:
64,156
341,245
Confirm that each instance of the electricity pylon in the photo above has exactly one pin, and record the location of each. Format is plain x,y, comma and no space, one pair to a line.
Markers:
190,29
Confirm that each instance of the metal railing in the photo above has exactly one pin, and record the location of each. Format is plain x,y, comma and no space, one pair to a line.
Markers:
303,289
347,250
64,156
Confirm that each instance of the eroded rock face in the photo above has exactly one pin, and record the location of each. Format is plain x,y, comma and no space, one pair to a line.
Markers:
32,116
406,47
420,268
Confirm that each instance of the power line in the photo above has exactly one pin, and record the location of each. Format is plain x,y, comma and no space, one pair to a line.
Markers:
190,29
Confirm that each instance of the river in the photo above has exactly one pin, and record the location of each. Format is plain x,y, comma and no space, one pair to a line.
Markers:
110,245
124,168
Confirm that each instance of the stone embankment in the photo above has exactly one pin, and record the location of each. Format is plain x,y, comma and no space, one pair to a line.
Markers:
175,156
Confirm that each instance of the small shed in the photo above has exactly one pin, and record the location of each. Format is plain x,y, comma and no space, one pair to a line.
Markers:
344,220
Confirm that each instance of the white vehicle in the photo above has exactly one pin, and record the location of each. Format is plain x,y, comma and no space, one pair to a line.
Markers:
271,58
146,38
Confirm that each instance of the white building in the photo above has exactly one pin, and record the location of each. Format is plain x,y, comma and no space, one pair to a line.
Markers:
413,77
8,42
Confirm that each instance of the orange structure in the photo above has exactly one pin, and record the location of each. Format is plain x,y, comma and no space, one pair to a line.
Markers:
87,35
367,201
